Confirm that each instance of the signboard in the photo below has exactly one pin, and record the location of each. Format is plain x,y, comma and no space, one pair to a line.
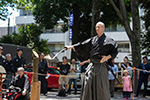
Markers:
70,29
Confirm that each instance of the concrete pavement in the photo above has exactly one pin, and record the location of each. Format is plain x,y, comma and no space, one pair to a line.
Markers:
52,96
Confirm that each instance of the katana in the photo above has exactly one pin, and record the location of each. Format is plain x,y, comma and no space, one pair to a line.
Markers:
59,53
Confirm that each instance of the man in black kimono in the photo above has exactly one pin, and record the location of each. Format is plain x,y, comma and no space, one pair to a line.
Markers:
21,84
18,60
98,49
43,69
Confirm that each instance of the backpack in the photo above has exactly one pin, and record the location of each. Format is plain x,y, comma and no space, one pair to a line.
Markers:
62,93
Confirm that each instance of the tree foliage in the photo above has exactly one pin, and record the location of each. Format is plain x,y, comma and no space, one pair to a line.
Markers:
146,34
48,12
3,8
28,36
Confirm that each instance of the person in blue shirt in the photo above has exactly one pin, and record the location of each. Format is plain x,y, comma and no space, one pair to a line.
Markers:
114,68
129,68
124,65
143,76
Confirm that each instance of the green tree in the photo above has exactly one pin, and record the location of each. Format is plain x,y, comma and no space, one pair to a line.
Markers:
146,33
48,12
133,33
28,36
3,8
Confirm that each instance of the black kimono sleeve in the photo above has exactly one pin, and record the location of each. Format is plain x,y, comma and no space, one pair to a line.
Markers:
114,51
82,49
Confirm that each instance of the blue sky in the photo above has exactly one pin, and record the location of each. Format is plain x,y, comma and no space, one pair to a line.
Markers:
12,17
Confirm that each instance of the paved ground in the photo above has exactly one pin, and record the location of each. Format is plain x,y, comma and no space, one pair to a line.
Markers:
52,96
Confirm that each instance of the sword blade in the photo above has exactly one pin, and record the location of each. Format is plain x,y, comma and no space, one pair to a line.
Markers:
59,53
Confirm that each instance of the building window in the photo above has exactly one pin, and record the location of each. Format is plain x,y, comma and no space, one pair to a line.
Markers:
115,28
24,12
111,28
123,47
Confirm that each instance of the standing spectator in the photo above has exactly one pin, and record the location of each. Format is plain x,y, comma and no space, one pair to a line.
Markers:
127,85
143,76
73,70
2,57
129,68
18,60
64,69
124,65
43,69
114,68
9,70
84,65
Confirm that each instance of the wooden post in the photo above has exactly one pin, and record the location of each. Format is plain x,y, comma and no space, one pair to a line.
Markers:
35,84
133,83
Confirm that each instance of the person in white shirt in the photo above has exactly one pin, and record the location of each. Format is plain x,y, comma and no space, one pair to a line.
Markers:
73,70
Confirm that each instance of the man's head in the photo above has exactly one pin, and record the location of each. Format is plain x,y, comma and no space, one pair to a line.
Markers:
73,61
100,27
19,51
20,71
42,55
8,57
64,58
144,59
1,49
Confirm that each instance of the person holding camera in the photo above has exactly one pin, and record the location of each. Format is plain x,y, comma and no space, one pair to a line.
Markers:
73,78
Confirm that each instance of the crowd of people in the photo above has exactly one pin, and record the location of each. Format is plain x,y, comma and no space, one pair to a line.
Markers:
127,77
68,74
16,82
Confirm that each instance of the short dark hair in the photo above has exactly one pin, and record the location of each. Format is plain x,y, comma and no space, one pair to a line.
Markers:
145,57
19,49
129,63
126,57
64,57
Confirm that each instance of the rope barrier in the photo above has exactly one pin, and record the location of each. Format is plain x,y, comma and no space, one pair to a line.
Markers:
83,74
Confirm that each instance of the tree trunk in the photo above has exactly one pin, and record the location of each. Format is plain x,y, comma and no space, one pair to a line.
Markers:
95,15
135,42
133,34
75,28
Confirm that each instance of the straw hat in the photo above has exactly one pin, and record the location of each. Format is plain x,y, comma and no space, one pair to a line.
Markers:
125,71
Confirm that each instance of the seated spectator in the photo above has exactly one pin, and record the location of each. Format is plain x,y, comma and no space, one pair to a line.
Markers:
19,86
